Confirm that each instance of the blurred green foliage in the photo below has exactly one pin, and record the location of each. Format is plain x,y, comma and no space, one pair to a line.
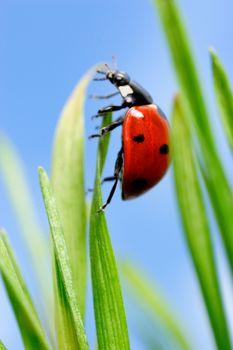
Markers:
60,323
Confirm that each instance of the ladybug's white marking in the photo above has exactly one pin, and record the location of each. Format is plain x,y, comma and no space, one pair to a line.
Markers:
137,114
125,90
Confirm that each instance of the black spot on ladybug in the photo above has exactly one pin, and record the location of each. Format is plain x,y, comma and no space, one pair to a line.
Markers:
164,149
139,138
139,184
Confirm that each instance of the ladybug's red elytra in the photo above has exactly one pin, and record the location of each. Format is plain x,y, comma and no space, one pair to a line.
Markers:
144,157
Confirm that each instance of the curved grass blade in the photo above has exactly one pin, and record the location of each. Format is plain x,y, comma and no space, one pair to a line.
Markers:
224,96
68,184
14,178
25,313
195,224
221,192
110,316
71,334
155,305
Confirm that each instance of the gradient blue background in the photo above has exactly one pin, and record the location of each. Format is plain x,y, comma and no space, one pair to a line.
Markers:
45,47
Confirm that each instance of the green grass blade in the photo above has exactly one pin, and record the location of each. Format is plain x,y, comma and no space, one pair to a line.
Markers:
71,333
2,346
14,178
68,183
154,304
28,321
195,224
110,316
221,193
224,96
104,143
183,60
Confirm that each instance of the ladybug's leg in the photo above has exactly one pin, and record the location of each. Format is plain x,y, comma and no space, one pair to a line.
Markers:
108,128
128,101
103,116
96,97
99,79
112,108
118,167
109,178
101,72
121,118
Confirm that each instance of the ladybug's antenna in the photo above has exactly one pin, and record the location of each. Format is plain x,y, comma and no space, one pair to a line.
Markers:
107,66
104,69
100,71
99,79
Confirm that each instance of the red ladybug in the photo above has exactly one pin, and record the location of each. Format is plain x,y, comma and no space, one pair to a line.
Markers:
144,157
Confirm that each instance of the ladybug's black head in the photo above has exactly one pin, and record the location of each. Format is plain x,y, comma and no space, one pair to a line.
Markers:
118,78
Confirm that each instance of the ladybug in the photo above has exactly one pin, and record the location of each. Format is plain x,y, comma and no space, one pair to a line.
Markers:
144,157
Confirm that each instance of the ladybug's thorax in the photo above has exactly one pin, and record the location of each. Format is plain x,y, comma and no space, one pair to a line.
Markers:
125,90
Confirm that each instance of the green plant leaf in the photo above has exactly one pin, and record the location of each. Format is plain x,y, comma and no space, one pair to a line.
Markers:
195,223
25,313
224,96
71,333
110,316
68,183
154,304
220,191
14,178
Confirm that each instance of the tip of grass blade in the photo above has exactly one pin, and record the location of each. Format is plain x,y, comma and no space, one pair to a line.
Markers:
42,174
71,331
212,50
176,98
40,169
213,56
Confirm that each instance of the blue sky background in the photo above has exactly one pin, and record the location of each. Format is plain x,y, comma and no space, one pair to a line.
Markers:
45,47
